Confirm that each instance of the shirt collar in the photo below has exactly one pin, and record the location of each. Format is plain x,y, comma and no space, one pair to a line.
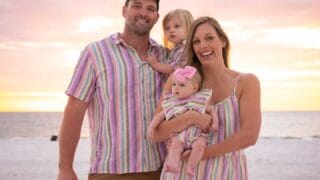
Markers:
115,38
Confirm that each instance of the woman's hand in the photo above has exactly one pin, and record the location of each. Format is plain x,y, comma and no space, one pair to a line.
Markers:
150,133
201,121
215,120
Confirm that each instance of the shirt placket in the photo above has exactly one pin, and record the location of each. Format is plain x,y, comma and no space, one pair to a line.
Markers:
142,71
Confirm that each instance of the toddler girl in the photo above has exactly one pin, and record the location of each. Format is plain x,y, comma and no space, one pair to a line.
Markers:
175,26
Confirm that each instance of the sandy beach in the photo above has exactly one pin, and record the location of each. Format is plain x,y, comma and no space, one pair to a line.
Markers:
269,159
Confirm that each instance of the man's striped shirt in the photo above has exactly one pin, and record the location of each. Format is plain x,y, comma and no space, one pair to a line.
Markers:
122,92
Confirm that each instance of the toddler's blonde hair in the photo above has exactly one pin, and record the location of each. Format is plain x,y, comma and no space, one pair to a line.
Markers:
184,16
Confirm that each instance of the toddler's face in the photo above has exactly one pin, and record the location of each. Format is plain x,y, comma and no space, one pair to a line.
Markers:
175,31
182,90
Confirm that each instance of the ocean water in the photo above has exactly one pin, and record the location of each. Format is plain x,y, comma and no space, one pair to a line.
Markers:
304,125
290,125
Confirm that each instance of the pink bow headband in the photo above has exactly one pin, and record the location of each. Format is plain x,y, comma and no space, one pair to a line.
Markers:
182,74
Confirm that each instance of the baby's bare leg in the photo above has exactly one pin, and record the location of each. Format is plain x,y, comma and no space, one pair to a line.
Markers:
174,156
198,147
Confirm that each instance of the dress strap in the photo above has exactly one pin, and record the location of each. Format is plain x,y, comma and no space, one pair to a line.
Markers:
237,82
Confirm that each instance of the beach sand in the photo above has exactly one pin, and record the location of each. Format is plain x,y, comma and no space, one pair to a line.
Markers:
269,159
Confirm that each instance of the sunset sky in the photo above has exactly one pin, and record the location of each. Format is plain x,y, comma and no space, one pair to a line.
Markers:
40,41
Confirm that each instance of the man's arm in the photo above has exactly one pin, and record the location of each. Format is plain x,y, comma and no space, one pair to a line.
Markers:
69,137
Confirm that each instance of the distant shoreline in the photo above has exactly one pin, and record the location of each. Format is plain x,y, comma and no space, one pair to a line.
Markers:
87,137
275,125
266,111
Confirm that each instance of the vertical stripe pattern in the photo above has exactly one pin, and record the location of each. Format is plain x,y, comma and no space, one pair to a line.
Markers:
230,166
177,57
122,93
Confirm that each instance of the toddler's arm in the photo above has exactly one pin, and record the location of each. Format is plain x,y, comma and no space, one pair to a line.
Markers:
161,67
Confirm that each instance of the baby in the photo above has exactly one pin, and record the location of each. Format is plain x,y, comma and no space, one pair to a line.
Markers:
186,95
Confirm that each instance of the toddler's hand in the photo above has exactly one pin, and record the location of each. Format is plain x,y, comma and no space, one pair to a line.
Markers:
152,59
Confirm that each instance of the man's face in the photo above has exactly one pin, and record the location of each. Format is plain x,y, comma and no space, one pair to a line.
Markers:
140,15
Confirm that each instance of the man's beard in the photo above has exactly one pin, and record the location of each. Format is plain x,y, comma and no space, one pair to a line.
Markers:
139,31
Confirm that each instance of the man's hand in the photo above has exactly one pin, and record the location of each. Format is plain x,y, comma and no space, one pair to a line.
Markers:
67,174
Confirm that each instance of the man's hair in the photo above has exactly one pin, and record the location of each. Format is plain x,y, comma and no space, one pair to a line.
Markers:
157,2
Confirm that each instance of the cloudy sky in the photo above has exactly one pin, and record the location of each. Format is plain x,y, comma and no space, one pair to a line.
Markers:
40,42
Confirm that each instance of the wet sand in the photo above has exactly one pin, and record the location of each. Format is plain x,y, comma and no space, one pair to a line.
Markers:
269,159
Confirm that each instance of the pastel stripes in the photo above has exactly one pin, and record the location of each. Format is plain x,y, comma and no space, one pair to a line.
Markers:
122,93
231,166
173,106
177,56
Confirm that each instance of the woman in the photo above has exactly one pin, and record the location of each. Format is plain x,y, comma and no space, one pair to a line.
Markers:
236,98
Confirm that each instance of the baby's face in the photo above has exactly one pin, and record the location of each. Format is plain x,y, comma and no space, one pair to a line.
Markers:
182,90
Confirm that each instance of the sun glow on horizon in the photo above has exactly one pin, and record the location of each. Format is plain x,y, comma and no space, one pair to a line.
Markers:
32,101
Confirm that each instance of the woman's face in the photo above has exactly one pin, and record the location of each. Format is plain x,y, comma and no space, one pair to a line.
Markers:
206,43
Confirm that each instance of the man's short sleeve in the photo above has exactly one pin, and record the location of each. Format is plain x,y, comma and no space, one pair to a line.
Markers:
83,79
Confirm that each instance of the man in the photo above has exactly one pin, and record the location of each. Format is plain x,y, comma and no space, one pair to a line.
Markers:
120,90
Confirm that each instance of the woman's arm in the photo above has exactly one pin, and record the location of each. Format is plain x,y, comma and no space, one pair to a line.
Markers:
250,119
178,124
155,123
